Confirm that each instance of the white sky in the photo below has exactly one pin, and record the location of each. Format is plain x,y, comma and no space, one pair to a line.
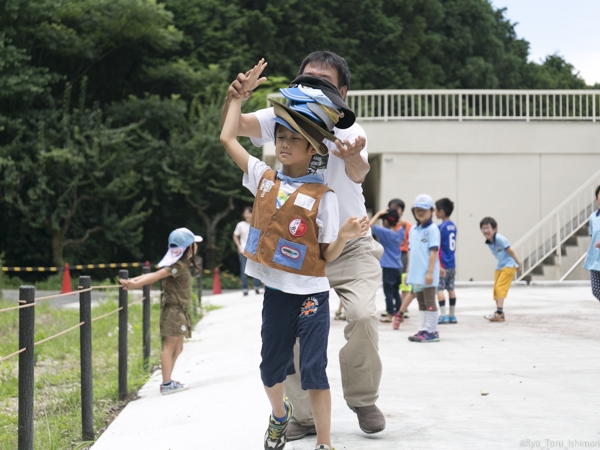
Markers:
570,28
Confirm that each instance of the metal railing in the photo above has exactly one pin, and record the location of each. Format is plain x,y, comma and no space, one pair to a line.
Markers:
474,104
546,238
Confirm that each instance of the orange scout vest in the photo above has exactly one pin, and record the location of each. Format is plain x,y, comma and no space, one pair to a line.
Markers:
286,238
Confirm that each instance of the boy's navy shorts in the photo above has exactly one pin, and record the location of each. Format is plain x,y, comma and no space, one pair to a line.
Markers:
286,317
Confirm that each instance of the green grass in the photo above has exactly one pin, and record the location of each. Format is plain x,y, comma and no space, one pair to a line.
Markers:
57,403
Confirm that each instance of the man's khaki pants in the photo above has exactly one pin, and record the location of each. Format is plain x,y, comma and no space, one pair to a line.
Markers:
355,276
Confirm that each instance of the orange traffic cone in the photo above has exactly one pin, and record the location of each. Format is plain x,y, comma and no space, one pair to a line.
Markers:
216,282
66,283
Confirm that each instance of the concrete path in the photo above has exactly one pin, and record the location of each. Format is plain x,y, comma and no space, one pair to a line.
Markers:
541,369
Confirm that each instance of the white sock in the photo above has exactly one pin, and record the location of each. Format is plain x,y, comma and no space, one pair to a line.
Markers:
432,321
422,320
442,310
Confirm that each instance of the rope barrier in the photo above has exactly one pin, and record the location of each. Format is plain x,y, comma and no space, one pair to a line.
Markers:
107,314
13,354
17,307
64,295
137,301
106,287
59,334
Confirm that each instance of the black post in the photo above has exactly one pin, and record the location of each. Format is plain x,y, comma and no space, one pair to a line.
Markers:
123,338
146,319
85,344
26,364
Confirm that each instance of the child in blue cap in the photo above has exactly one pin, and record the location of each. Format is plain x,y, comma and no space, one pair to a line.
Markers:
423,270
175,323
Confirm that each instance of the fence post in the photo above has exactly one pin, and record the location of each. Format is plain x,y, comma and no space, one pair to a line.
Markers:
200,273
26,366
124,274
85,355
146,319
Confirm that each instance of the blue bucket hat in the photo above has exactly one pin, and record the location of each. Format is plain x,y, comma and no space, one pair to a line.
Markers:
179,240
424,201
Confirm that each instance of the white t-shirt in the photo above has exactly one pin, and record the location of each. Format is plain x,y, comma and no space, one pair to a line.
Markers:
327,221
350,194
242,229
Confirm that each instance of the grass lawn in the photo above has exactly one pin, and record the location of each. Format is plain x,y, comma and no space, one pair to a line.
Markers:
57,405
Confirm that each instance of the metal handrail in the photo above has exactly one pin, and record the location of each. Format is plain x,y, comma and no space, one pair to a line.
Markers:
564,221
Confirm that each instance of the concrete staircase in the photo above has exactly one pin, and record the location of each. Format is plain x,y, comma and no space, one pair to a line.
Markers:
553,268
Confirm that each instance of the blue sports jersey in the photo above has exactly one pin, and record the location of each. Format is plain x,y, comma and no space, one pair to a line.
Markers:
448,244
390,240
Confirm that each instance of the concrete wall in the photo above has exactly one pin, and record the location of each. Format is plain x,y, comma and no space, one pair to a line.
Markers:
516,172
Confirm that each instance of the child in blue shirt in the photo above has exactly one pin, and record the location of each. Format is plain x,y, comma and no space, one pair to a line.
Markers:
592,260
443,211
391,264
423,271
508,263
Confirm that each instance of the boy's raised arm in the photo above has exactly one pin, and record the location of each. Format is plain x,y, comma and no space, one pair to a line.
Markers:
232,118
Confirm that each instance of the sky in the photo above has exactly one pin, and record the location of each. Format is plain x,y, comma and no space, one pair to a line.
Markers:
570,28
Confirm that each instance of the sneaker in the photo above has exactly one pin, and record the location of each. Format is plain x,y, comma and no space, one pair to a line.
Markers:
370,419
384,314
452,319
245,293
173,387
397,320
416,337
387,318
426,336
322,447
495,317
275,435
340,315
407,315
296,431
443,319
257,290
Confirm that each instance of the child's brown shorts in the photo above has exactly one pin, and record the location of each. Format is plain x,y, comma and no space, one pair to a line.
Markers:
174,321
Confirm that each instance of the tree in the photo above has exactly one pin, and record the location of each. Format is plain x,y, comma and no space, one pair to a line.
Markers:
72,181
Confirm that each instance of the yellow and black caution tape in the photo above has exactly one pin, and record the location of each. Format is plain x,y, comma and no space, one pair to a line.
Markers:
74,267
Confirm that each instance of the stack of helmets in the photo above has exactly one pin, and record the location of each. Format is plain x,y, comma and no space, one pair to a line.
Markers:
314,108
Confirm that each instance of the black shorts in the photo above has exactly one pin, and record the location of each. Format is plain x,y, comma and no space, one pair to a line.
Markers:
286,317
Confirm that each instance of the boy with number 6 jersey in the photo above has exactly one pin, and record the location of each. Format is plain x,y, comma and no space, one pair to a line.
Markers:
443,211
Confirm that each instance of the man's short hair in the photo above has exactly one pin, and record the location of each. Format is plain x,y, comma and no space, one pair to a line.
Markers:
396,203
326,58
446,205
597,192
488,221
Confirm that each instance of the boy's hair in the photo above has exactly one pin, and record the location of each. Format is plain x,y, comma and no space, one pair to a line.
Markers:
391,217
597,191
488,221
326,58
396,202
446,205
247,208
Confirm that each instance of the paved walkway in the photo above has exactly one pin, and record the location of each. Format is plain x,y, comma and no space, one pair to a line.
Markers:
541,369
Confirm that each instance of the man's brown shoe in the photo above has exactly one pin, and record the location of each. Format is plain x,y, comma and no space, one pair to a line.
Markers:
370,418
296,431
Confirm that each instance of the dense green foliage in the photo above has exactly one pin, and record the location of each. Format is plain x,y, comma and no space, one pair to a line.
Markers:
109,109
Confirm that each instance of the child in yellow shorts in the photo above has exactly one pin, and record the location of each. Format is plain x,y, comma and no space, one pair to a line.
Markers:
508,263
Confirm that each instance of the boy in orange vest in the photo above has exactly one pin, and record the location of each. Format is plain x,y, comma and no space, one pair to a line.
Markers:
294,232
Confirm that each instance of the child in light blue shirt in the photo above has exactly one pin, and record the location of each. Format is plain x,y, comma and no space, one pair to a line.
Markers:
592,260
423,270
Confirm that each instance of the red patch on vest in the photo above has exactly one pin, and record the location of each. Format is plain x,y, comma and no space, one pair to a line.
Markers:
297,227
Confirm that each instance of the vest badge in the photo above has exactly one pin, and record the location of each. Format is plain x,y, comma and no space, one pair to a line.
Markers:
266,186
290,252
297,227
